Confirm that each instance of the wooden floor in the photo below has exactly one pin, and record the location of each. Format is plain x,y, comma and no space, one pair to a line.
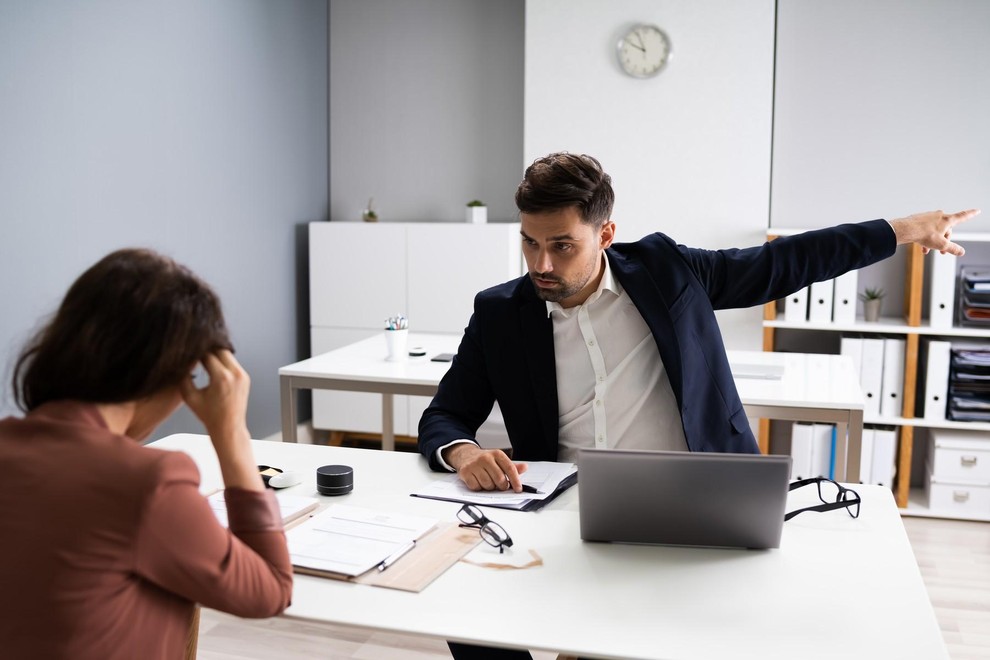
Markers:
954,558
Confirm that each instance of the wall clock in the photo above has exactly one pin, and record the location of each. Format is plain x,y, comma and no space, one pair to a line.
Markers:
643,51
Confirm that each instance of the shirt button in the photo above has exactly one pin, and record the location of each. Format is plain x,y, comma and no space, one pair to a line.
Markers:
598,402
591,342
601,379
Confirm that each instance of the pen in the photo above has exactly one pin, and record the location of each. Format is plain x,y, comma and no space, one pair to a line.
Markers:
395,556
526,488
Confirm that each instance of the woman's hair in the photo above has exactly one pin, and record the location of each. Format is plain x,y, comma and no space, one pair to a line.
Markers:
561,180
133,324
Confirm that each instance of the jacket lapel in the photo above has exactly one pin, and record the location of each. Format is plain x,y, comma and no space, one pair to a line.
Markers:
537,329
655,310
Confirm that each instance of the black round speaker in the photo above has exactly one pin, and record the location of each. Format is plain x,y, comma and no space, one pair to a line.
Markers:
334,479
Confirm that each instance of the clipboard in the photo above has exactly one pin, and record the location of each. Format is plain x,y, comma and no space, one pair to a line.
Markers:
441,547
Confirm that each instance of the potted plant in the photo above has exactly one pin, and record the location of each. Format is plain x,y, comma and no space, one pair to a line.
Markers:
872,299
477,212
369,215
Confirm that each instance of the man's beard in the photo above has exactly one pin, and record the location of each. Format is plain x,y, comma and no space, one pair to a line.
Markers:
556,294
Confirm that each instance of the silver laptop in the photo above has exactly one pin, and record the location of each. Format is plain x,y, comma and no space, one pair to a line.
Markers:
682,498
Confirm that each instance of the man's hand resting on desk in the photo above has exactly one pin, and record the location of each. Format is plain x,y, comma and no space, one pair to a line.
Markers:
484,469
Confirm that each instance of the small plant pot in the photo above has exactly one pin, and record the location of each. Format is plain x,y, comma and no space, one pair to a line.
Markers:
477,215
871,310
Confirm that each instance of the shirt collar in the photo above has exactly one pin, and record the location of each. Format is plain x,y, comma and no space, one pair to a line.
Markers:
608,283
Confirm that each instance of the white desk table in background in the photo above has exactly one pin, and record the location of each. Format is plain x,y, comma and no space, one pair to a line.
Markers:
791,386
836,588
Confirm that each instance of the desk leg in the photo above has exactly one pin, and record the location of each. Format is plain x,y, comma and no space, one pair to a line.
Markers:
388,422
855,446
288,393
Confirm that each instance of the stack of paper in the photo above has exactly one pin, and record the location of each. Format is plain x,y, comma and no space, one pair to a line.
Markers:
290,506
350,540
548,478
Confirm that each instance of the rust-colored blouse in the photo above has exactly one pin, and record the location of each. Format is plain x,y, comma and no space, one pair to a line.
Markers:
106,545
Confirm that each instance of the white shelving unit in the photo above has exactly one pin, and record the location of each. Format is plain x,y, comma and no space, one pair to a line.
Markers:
912,326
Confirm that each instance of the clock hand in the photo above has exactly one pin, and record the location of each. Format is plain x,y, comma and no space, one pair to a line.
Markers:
639,38
634,45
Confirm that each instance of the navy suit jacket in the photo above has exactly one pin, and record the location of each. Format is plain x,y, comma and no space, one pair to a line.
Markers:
507,352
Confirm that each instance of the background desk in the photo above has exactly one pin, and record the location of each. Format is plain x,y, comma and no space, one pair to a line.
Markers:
836,588
792,386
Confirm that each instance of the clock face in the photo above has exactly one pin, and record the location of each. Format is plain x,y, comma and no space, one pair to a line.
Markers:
644,51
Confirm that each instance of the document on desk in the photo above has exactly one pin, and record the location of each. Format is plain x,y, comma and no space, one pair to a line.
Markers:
550,479
290,507
350,540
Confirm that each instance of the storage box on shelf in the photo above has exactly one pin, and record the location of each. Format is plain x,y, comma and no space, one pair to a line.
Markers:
957,480
938,329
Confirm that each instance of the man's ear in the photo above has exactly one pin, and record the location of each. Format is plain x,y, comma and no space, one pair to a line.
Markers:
607,234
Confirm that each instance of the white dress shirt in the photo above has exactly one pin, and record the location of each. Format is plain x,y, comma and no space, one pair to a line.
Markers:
612,387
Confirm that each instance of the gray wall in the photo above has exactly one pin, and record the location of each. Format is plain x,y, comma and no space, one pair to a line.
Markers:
426,107
195,128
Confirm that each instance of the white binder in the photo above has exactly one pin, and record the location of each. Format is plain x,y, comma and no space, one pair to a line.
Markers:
937,379
942,291
853,347
884,455
871,375
801,438
820,301
866,457
844,297
796,307
821,450
892,388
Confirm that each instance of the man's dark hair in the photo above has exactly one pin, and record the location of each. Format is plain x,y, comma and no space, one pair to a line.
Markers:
133,324
561,180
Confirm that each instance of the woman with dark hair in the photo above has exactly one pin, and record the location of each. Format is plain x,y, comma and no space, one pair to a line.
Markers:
108,545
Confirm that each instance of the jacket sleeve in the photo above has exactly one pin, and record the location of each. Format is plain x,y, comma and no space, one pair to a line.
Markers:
753,276
181,546
463,400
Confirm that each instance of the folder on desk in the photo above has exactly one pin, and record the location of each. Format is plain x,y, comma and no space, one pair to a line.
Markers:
796,307
549,477
871,375
820,301
844,297
291,507
348,540
942,290
892,385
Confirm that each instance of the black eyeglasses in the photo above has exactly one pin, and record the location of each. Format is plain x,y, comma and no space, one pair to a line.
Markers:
492,533
832,495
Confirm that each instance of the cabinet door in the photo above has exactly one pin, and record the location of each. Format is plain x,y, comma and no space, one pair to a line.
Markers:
358,412
450,263
357,273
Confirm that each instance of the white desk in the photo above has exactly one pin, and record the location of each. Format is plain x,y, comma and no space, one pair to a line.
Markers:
836,588
808,387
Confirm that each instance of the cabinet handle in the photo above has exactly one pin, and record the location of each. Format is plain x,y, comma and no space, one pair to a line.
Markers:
968,461
960,495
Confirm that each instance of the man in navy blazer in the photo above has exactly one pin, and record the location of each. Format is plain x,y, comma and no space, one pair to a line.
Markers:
516,346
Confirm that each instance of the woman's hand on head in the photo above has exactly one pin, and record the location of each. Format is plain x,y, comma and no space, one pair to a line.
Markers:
221,405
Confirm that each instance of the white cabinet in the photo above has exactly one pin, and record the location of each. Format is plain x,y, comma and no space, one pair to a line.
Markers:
361,273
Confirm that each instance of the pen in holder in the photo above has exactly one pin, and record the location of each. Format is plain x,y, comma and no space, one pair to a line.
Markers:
396,338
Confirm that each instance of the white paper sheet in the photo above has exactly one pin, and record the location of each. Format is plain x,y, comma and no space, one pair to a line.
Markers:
352,540
545,476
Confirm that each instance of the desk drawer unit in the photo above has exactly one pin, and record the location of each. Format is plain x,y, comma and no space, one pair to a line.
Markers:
958,479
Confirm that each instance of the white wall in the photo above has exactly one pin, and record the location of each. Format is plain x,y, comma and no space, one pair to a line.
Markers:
689,150
426,107
195,128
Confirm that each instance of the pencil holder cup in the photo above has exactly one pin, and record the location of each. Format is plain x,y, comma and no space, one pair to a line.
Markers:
396,345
